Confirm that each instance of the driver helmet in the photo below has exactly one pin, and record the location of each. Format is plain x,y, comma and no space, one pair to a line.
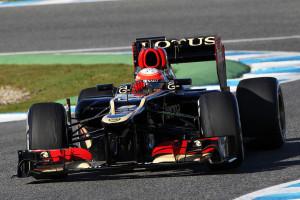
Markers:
147,75
150,75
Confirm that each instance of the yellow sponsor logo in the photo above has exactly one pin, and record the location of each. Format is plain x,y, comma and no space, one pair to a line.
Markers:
114,119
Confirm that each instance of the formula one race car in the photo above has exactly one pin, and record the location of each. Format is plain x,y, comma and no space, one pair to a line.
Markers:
157,120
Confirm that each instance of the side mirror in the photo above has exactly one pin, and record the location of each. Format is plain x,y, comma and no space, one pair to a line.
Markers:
102,87
183,81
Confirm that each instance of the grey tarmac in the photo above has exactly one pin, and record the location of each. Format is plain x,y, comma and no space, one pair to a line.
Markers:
111,24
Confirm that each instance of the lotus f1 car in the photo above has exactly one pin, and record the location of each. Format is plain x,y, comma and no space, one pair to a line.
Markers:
156,120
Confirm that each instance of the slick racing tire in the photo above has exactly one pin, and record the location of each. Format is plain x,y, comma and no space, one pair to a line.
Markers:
262,112
219,116
47,126
94,92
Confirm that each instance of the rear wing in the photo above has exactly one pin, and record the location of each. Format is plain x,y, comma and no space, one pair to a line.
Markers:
194,49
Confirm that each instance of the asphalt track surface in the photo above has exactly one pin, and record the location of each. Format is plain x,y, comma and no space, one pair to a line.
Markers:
113,24
110,24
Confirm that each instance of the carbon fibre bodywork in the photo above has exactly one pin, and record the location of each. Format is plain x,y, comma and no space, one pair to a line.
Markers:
120,127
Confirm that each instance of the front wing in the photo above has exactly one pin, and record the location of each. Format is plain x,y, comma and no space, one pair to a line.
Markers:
59,162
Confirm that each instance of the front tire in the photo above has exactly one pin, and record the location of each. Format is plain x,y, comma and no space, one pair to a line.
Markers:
47,127
220,117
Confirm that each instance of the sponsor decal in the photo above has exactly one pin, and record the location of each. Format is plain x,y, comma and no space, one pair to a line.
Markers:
114,119
151,81
171,85
200,41
123,89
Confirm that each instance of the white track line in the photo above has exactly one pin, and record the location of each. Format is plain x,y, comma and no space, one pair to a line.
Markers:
247,56
122,48
263,54
275,64
104,50
9,117
47,2
262,39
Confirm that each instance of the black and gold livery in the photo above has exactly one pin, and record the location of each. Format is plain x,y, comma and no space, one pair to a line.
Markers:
166,122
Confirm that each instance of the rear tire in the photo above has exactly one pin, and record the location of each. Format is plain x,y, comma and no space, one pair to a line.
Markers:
220,117
47,126
262,112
